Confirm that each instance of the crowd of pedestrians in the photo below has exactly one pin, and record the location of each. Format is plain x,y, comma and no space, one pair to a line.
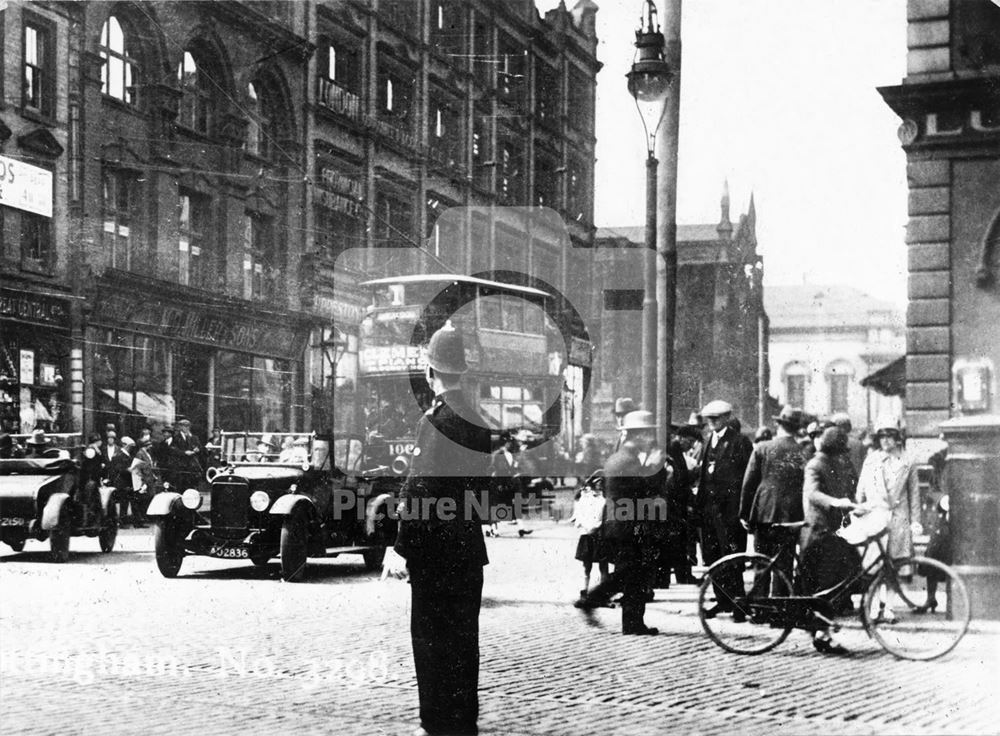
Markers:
719,487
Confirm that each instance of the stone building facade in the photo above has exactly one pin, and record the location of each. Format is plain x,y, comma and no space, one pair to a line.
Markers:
950,132
721,329
210,162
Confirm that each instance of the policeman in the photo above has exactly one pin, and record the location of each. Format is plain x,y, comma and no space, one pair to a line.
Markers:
443,544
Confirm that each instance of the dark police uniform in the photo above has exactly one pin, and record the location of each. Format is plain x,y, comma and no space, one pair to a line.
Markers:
445,556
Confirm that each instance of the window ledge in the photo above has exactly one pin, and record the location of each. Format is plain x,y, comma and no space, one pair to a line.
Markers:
30,265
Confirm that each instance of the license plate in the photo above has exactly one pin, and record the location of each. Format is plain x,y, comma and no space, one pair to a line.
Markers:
12,521
229,553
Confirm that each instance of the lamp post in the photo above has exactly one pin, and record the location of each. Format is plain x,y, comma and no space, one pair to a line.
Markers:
649,83
333,344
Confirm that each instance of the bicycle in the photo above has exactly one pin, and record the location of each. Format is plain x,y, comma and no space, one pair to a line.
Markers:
755,622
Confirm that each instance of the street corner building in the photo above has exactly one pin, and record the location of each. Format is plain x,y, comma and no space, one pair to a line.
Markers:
950,132
180,181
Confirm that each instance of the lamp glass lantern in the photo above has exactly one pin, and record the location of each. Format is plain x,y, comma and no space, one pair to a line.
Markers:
333,343
650,76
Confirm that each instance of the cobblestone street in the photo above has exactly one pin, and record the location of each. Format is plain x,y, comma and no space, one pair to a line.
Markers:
104,644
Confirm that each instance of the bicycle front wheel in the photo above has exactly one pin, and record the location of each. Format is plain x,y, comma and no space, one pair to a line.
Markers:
735,608
899,614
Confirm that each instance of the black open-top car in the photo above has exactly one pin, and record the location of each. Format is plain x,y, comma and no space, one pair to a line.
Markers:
40,499
290,496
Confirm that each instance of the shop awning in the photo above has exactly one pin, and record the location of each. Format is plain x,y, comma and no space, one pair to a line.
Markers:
889,380
151,405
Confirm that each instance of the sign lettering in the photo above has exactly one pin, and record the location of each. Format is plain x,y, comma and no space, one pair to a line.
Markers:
34,308
25,187
391,359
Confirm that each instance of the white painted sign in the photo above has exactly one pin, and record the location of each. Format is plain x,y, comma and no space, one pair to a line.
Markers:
25,187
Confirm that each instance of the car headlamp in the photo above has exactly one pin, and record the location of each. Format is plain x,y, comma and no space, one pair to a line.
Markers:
259,501
191,499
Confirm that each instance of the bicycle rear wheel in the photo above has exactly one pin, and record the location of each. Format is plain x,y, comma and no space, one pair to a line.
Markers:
892,613
737,615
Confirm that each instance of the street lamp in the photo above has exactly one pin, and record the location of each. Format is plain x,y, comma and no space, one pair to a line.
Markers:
648,83
332,343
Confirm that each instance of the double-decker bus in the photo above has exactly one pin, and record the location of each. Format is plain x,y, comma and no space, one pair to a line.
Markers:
514,349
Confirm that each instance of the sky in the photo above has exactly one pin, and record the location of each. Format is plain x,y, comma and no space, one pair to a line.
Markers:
779,98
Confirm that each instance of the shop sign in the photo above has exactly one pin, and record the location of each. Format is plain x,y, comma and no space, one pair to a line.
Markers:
216,329
35,308
25,187
338,310
27,364
392,359
340,193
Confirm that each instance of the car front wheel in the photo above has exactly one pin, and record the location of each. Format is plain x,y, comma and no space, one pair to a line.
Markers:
294,545
167,544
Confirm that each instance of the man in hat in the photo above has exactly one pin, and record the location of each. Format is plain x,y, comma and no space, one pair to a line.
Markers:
623,406
445,552
636,471
186,449
37,445
93,470
772,494
723,463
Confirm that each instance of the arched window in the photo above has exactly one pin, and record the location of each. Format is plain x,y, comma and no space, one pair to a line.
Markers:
119,72
196,96
254,125
263,131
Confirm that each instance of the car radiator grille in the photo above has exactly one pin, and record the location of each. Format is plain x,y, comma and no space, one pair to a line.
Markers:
230,504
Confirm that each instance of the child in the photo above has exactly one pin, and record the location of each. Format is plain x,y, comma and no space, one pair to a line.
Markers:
588,515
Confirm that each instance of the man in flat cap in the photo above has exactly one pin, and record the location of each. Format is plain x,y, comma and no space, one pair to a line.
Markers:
723,463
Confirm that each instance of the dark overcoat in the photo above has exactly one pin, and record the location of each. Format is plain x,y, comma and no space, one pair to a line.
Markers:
772,484
450,461
828,476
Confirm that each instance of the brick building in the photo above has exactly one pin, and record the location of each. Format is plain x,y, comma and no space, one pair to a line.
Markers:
721,329
211,161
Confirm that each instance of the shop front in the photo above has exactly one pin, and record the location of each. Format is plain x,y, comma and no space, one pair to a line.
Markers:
34,362
159,355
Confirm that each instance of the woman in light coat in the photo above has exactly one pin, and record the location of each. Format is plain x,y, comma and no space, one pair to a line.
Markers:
888,494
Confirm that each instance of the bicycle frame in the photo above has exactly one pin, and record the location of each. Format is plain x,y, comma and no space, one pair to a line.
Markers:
817,610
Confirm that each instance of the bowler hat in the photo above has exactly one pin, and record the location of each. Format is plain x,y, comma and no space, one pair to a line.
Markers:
717,408
639,420
446,351
790,416
624,405
689,430
37,438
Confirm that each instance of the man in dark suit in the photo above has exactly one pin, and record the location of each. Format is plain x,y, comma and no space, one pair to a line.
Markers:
856,451
633,473
723,463
186,450
772,494
445,553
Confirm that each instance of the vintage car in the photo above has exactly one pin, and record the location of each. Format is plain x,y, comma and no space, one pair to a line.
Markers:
40,499
290,496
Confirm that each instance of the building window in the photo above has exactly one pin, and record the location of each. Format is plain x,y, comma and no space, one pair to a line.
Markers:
194,267
546,182
446,26
444,134
196,97
259,257
393,221
839,376
39,69
338,232
511,77
577,191
510,184
119,200
481,155
36,242
256,123
581,100
395,93
119,72
340,79
546,93
796,381
483,63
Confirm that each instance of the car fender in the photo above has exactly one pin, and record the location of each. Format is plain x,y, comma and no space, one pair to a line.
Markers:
162,504
372,509
52,510
284,505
